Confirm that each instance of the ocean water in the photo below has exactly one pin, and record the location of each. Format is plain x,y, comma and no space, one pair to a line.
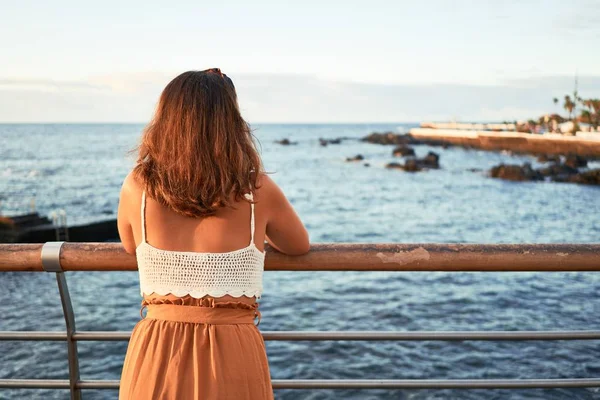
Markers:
79,168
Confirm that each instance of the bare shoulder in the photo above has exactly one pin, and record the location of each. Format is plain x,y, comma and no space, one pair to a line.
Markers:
131,187
264,182
267,191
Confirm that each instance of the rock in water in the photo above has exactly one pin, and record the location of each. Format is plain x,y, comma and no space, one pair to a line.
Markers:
412,165
403,151
431,160
544,158
557,169
575,161
325,142
357,157
591,177
390,138
285,142
394,165
516,172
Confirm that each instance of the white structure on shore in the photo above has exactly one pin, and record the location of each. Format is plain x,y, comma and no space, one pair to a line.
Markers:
469,126
586,131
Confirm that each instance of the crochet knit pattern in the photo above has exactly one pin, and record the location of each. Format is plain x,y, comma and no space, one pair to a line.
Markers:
235,273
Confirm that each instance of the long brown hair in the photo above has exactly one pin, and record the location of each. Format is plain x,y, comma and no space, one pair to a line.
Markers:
198,154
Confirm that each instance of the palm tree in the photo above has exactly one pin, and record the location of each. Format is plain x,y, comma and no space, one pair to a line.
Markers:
592,114
595,106
569,105
586,117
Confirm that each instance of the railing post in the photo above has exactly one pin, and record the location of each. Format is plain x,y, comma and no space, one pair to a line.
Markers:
51,263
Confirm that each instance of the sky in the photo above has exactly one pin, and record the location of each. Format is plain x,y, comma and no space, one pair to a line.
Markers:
308,61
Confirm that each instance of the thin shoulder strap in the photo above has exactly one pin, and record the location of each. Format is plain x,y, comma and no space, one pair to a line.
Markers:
143,216
250,197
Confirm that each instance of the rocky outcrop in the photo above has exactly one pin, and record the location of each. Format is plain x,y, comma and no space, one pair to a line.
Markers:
430,161
557,169
358,157
325,142
575,161
403,151
556,172
516,172
390,138
285,142
387,138
409,166
591,177
544,158
412,165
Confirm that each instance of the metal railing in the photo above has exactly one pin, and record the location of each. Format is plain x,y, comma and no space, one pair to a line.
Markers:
57,257
59,220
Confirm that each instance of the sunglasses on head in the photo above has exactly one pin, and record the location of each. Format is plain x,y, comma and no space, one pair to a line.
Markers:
214,71
221,74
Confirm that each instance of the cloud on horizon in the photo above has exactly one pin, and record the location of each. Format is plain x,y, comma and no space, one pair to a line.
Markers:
290,98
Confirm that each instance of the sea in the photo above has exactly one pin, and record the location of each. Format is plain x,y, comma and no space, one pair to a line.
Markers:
79,168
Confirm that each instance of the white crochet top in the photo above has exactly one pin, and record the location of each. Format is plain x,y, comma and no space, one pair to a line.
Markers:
236,273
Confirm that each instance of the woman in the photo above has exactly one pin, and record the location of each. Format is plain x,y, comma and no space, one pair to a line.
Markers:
196,210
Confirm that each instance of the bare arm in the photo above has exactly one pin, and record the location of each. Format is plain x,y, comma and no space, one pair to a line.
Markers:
123,223
285,231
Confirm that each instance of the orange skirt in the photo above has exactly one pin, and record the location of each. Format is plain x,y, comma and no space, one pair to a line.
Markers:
188,348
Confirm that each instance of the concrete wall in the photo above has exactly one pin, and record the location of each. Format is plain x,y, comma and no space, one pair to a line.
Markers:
584,145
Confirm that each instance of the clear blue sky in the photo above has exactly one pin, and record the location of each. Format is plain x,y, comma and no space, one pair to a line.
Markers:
57,55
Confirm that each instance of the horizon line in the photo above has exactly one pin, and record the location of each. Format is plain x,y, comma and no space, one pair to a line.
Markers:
253,123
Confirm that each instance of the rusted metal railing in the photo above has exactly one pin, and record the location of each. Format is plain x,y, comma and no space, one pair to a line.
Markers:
58,257
341,257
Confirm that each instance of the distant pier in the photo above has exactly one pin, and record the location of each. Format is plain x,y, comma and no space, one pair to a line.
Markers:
584,144
34,228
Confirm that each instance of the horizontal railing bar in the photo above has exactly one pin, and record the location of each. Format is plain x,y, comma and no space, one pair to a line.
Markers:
341,383
342,257
102,335
432,335
35,383
432,383
33,336
331,335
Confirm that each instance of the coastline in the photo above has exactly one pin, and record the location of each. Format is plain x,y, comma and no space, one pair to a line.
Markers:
517,142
